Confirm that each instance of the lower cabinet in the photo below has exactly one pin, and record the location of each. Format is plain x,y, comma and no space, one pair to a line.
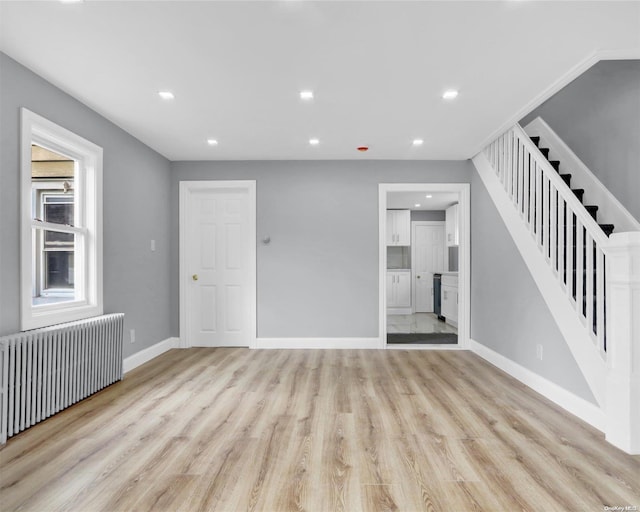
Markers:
398,289
450,299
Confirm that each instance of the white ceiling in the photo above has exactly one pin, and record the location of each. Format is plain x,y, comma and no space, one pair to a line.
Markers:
408,200
378,69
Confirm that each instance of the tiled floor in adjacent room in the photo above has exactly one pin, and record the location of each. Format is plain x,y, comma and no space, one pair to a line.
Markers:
417,323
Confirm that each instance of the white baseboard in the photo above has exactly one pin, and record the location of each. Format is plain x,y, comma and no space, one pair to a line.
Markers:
574,404
147,354
570,325
424,347
319,343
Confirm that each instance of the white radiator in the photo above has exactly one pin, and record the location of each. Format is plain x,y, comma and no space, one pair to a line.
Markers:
46,370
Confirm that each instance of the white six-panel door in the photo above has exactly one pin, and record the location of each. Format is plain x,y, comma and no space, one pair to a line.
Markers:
427,258
217,260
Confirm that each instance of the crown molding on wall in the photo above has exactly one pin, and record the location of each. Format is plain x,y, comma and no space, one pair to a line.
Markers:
553,88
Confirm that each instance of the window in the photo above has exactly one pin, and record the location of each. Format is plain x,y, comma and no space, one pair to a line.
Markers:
61,246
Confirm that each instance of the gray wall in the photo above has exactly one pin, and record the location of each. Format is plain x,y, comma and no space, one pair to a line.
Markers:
136,208
508,313
598,117
319,275
424,215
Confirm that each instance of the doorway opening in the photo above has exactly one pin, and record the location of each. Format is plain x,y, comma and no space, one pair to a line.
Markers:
424,265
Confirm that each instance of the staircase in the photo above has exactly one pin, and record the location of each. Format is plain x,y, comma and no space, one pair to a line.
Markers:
589,293
587,274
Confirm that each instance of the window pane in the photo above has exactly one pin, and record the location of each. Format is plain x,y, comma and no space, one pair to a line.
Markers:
58,213
54,238
58,269
52,186
53,268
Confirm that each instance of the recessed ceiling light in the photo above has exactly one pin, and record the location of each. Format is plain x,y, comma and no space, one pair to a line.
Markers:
314,142
450,94
166,95
306,95
418,142
428,196
417,205
212,142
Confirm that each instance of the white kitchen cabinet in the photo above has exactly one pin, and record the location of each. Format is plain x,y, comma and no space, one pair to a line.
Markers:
398,227
398,289
452,226
450,299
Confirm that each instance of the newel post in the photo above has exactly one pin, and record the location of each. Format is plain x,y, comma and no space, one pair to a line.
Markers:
622,406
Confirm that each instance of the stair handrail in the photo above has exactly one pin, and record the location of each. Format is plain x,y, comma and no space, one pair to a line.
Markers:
547,206
538,208
610,208
564,190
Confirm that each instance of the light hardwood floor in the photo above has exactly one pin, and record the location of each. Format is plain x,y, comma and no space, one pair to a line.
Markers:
236,430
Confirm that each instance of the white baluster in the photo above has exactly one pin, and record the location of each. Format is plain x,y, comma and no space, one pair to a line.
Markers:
545,216
538,211
600,300
589,291
553,227
526,180
579,266
570,248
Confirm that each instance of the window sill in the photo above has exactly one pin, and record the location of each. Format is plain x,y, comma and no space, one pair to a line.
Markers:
46,316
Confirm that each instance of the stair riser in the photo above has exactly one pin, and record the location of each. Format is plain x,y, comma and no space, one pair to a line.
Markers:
579,193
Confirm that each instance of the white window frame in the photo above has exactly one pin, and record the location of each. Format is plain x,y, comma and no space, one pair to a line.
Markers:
36,129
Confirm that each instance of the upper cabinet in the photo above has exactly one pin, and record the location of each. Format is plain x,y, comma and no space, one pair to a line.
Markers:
451,226
398,227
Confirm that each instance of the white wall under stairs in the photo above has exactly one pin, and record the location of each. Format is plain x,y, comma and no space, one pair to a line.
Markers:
545,219
587,355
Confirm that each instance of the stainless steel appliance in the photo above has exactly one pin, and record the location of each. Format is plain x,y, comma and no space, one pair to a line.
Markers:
437,295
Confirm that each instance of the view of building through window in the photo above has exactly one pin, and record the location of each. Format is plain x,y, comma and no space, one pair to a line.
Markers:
53,205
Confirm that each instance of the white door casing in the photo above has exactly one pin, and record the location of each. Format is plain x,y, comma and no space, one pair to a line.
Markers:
464,218
428,256
217,263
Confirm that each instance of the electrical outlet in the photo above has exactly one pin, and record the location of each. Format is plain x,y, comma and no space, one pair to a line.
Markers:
539,352
132,335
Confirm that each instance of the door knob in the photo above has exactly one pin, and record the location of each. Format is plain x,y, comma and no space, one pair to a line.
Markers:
194,277
418,277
